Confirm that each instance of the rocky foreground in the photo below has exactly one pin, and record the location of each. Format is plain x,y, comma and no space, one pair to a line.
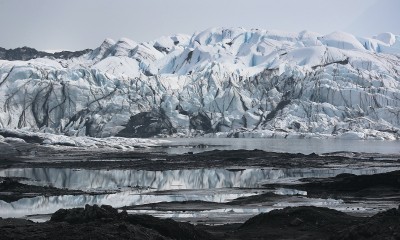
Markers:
105,222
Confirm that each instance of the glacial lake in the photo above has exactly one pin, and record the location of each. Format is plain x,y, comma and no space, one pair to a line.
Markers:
139,187
212,187
305,146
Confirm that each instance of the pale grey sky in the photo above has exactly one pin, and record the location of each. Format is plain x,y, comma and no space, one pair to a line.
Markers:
79,24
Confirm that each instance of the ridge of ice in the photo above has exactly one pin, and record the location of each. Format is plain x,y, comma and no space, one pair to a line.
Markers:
248,83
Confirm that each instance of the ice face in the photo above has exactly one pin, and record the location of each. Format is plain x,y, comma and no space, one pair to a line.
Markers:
244,83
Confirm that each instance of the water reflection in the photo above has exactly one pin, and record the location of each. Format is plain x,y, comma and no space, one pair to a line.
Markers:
173,179
236,214
240,214
44,205
137,187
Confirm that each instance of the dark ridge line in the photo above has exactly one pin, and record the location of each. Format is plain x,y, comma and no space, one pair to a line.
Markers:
27,53
342,62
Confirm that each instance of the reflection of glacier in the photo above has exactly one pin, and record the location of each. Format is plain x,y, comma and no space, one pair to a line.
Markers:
173,179
44,205
241,212
212,185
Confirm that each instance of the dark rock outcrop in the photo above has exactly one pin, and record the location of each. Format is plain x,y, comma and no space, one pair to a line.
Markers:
147,124
12,190
169,227
88,214
201,122
319,223
382,226
27,138
23,229
106,214
348,185
26,53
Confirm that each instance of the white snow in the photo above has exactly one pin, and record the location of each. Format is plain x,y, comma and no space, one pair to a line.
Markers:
341,40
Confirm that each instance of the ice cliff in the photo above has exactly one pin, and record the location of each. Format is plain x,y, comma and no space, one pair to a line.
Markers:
219,82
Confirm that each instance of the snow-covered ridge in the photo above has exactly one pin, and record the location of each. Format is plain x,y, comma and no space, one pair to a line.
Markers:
229,81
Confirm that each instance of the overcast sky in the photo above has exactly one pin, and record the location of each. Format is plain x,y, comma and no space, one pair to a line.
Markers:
79,24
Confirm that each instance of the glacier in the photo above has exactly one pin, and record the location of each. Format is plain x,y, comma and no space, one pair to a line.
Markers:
221,82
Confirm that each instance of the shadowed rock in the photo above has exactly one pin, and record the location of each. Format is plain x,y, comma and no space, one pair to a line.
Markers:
147,124
349,185
12,190
88,214
26,53
107,214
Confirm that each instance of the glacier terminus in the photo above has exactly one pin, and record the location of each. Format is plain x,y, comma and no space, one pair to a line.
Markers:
221,82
